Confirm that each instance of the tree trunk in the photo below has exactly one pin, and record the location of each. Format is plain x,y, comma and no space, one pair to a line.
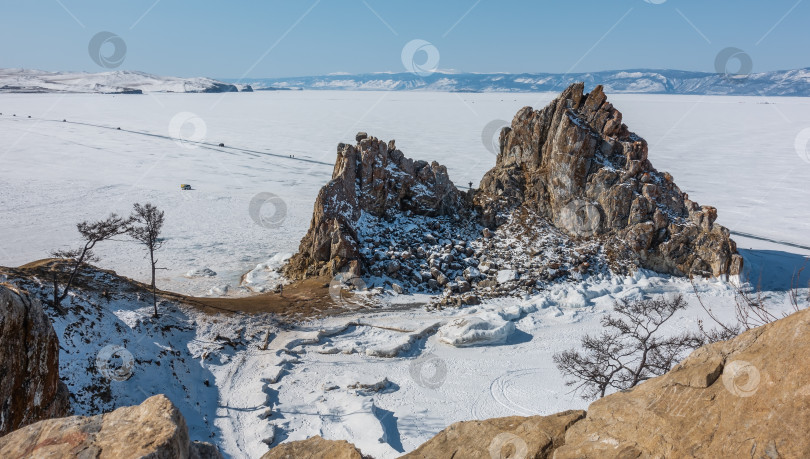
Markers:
55,292
76,267
154,289
57,304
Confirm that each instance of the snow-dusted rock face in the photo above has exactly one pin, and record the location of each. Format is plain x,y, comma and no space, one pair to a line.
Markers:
30,389
155,429
373,184
576,164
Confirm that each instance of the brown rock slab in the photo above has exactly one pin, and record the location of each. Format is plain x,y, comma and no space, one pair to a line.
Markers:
314,448
153,429
518,437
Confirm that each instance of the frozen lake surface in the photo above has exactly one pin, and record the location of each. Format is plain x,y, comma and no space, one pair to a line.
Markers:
735,153
738,154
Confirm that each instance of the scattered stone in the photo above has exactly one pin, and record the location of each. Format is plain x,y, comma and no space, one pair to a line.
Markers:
506,275
393,267
488,283
471,300
380,386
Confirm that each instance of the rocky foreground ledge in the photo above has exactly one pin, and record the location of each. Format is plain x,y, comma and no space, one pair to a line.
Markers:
154,429
572,192
747,397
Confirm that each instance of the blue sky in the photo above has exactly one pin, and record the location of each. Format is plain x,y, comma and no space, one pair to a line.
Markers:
309,37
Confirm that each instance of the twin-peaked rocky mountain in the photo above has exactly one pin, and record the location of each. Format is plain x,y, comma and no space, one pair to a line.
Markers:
572,192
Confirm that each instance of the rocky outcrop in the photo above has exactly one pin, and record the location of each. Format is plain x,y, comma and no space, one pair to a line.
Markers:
314,448
536,437
372,180
387,216
572,193
576,164
153,429
747,397
30,389
217,86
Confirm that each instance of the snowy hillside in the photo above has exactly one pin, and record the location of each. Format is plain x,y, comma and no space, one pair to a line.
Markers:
779,83
118,82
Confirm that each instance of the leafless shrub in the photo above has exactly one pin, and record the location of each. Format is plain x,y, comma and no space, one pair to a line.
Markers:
751,310
92,233
629,351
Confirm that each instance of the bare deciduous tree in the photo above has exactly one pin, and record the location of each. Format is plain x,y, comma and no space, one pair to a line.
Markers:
751,310
147,222
629,351
92,233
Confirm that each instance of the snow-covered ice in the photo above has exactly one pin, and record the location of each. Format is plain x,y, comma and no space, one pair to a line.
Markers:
476,330
268,384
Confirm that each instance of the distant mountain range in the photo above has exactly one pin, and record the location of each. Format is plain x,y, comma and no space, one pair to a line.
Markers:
779,83
118,82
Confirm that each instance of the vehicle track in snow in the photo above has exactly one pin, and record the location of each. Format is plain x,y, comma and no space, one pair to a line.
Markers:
762,238
527,381
201,144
